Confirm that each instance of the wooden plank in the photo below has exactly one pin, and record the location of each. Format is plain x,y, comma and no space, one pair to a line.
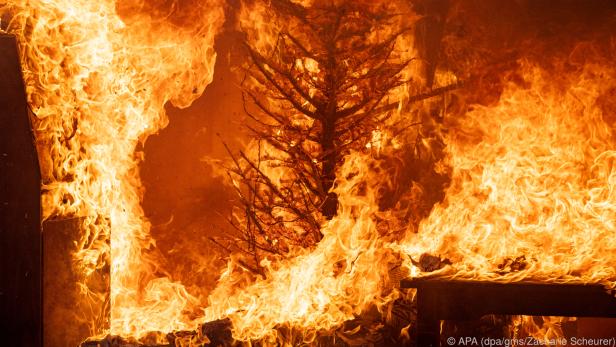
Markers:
461,299
429,322
445,299
20,229
70,316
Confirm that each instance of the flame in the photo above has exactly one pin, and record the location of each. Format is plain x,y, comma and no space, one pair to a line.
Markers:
531,197
532,191
315,289
98,82
532,176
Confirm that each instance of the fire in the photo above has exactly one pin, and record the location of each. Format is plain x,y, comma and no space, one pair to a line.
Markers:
315,289
531,198
531,195
98,81
532,191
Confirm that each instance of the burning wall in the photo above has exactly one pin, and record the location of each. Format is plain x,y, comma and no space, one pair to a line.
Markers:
97,81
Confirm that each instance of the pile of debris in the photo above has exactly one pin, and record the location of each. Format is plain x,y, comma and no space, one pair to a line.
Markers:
211,334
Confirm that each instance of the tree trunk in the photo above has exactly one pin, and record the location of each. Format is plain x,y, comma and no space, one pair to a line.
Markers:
328,173
329,208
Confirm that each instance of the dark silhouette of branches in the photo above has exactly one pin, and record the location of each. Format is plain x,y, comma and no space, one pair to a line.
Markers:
325,80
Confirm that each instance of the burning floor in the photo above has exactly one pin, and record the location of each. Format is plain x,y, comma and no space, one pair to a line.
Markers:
308,172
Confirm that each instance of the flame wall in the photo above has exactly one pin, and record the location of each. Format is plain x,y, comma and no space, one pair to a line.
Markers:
99,75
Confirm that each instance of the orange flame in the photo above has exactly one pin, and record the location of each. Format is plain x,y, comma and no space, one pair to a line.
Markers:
532,176
98,83
316,289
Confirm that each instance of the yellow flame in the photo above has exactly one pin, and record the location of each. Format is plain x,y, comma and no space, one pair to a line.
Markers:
532,176
316,289
98,82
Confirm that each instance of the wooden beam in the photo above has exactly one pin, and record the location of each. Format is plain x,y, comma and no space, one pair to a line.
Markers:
461,299
443,299
20,228
69,315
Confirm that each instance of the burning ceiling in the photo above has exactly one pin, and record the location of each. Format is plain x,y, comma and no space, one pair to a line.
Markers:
384,140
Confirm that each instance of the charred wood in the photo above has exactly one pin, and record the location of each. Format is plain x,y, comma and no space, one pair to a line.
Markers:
443,299
20,226
211,334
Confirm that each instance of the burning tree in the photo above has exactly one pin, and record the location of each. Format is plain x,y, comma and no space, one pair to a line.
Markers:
323,79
